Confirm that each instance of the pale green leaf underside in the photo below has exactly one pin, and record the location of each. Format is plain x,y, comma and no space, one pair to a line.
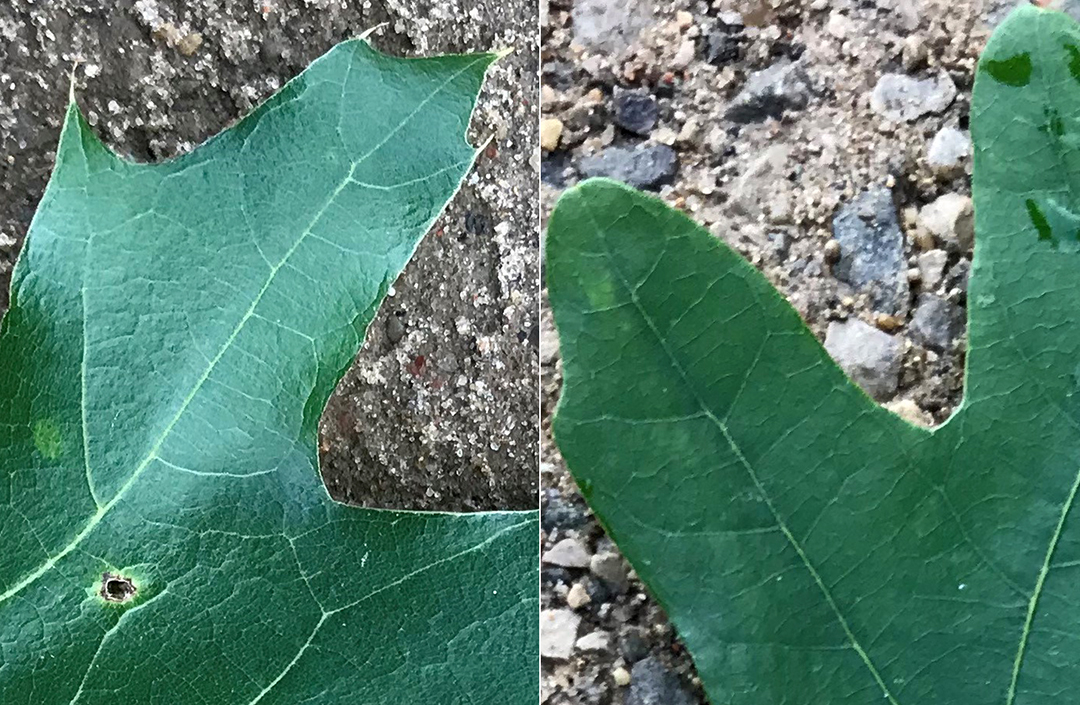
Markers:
811,547
174,333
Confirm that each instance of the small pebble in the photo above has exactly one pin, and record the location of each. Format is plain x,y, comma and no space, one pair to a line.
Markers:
872,249
611,568
721,48
949,152
632,644
936,322
568,553
887,322
910,412
635,111
599,591
932,268
951,218
665,135
651,683
559,512
901,98
558,632
914,53
550,133
839,25
782,87
684,55
395,329
168,33
577,597
870,356
190,43
594,641
647,166
957,276
832,251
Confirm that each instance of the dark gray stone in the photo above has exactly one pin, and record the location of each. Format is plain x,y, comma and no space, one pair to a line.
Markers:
872,249
957,276
610,567
769,93
779,244
598,591
651,683
635,111
552,575
554,168
646,166
632,644
936,322
560,512
721,47
395,329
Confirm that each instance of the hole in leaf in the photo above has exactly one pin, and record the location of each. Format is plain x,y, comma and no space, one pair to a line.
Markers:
116,588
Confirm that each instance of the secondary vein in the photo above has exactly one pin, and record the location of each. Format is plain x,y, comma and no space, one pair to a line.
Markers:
1039,583
326,614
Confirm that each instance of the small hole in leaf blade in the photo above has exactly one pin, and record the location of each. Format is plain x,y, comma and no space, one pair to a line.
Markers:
116,588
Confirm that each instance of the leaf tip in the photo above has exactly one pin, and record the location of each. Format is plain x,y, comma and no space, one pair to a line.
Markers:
71,83
366,34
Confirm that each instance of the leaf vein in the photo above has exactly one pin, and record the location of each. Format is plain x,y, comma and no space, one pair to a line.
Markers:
737,451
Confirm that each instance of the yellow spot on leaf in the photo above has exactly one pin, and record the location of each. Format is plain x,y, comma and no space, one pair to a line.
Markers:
47,438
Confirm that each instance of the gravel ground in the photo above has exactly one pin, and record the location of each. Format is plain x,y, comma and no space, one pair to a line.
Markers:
438,412
825,140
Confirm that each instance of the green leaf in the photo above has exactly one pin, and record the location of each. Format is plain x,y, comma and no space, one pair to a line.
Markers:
810,546
174,332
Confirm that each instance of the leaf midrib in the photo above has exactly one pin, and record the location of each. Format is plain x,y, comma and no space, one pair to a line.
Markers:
722,427
96,518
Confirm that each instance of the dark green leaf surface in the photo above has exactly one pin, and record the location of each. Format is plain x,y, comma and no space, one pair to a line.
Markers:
810,546
174,333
